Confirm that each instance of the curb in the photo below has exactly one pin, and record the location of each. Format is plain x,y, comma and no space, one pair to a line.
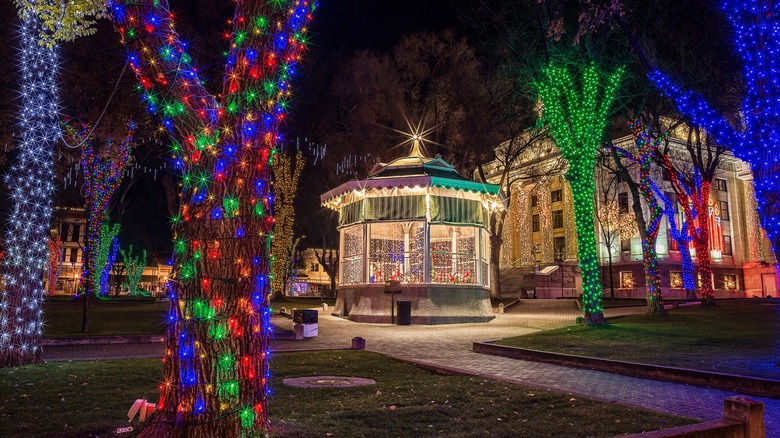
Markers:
741,384
130,339
104,340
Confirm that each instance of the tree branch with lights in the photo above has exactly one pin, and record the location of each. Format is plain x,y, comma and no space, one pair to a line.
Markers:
754,137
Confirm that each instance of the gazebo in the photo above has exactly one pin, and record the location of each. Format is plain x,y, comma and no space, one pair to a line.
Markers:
418,222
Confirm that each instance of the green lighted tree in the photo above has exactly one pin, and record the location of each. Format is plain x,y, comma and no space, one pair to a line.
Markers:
135,265
576,112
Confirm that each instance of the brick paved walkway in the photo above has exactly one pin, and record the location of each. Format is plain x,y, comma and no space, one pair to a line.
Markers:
450,346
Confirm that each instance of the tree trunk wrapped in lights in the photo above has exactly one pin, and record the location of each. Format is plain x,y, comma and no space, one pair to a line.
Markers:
286,171
757,43
681,235
31,181
577,113
643,193
107,252
103,166
693,195
216,359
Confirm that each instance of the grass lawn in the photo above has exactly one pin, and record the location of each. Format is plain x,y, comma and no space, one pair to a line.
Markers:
89,398
105,318
622,302
736,337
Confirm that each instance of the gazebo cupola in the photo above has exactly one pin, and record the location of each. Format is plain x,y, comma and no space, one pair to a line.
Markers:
417,221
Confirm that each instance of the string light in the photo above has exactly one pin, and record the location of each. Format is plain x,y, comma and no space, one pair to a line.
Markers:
577,117
224,149
30,180
757,43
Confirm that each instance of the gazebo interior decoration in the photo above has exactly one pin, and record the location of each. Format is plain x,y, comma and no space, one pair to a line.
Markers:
419,222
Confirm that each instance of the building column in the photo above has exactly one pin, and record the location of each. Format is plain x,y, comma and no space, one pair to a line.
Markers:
568,222
755,251
545,223
522,226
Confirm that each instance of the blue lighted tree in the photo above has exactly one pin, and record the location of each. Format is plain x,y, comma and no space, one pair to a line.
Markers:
753,138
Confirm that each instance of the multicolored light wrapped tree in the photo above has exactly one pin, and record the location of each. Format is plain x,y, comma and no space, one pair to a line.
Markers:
642,157
216,360
31,182
103,166
757,42
577,113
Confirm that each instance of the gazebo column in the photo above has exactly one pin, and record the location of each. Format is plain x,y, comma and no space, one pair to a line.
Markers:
454,249
427,253
407,230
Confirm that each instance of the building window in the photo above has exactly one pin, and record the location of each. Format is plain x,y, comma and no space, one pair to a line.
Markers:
74,255
675,279
76,231
557,219
730,282
625,244
720,185
623,203
665,175
391,259
314,267
535,223
559,249
626,280
534,200
556,196
724,210
727,245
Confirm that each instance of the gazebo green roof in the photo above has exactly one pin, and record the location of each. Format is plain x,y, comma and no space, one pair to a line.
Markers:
415,170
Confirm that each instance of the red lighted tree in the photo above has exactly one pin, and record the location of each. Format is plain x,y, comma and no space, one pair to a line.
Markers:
216,360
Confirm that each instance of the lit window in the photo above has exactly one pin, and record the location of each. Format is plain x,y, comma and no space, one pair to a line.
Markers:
626,279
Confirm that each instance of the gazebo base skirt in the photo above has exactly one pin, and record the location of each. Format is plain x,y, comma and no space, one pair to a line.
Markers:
431,304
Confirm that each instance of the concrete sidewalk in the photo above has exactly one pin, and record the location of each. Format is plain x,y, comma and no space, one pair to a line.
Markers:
450,346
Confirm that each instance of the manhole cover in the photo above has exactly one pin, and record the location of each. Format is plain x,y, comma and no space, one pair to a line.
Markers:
328,382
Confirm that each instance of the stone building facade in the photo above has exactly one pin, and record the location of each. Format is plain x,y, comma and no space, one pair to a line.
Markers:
539,253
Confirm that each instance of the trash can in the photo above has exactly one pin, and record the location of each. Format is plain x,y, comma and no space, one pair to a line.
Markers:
404,312
307,318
